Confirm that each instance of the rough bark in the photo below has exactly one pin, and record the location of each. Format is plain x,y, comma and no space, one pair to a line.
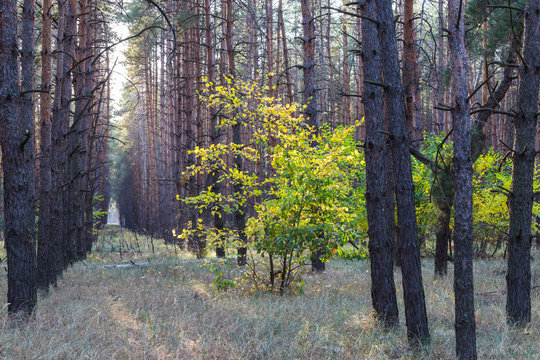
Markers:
310,80
413,289
383,290
413,114
518,277
19,226
290,98
45,274
239,214
214,131
27,82
310,93
465,325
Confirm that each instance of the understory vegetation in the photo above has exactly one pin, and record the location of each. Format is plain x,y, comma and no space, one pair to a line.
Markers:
166,307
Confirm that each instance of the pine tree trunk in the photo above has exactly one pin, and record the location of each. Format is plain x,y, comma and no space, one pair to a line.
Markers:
310,94
19,201
413,114
45,274
462,166
383,289
518,277
346,80
413,289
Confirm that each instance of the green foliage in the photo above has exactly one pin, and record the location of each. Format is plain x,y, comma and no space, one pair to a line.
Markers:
433,186
306,189
221,283
500,27
352,254
490,207
98,215
492,178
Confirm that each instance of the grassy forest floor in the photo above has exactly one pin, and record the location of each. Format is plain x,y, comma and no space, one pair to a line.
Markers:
168,309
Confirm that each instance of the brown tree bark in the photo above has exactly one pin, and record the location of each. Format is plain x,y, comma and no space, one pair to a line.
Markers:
413,114
310,93
45,270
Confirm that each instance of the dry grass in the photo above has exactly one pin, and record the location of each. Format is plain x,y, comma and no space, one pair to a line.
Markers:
169,310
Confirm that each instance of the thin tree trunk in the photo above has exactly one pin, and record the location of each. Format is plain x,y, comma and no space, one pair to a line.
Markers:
346,110
270,45
310,94
214,131
45,270
290,98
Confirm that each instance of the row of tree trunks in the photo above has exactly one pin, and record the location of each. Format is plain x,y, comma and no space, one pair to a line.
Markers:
68,180
16,138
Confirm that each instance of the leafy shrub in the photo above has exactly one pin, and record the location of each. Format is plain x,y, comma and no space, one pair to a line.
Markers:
310,196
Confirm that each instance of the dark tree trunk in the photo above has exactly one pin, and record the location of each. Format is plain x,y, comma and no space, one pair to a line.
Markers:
15,137
442,240
410,74
413,288
518,277
214,131
27,77
310,80
465,325
45,269
310,94
239,214
383,289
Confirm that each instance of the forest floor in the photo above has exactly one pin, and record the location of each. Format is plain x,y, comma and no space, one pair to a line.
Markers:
167,308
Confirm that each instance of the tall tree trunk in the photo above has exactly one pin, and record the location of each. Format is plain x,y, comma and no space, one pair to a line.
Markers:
239,214
45,269
331,89
269,11
310,93
518,277
462,165
15,137
27,82
383,289
346,106
285,53
214,131
413,289
441,65
413,115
